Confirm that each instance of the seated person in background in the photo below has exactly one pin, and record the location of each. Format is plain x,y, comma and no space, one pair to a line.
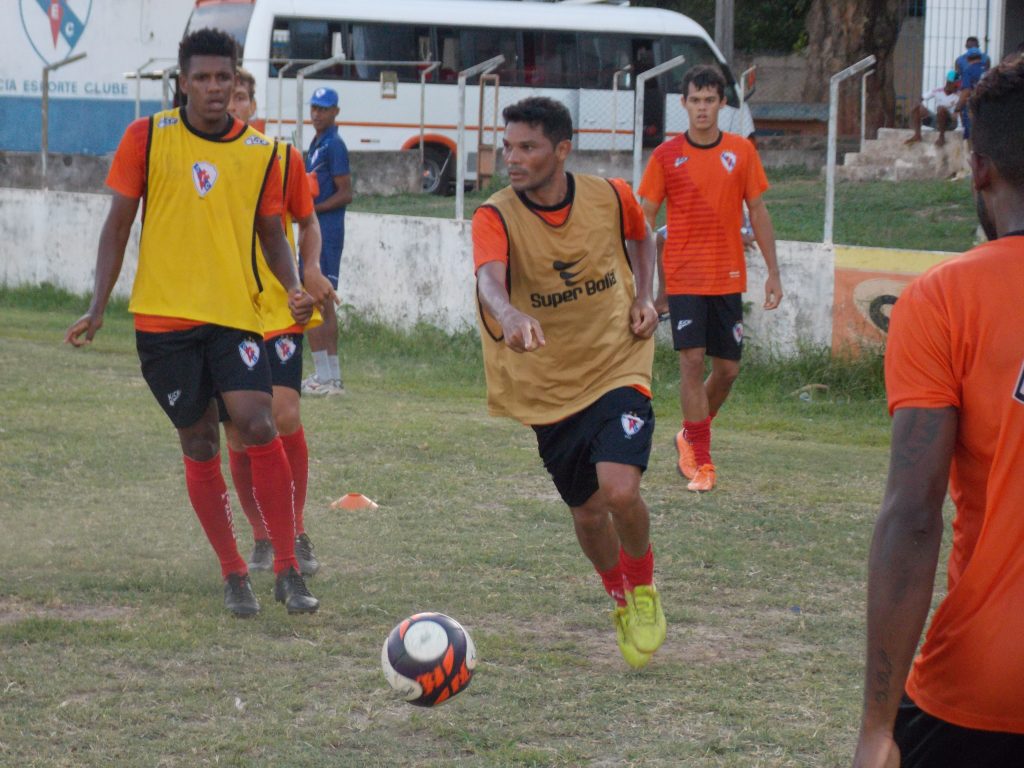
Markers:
941,115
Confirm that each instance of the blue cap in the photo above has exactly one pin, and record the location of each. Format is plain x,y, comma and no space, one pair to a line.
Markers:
951,76
973,53
324,97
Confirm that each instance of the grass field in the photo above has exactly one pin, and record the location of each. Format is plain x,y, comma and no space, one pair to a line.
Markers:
925,215
115,649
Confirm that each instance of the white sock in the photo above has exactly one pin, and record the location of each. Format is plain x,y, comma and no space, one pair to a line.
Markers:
323,367
335,367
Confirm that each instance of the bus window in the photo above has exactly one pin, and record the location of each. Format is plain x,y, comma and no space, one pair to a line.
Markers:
388,42
696,52
233,18
307,40
463,48
601,56
550,59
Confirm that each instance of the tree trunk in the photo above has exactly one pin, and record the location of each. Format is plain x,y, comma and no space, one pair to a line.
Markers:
841,34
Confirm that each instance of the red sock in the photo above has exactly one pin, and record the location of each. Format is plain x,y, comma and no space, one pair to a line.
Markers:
297,451
612,580
698,433
241,474
273,490
637,571
209,496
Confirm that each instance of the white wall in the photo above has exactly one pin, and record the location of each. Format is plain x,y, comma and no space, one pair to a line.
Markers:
398,269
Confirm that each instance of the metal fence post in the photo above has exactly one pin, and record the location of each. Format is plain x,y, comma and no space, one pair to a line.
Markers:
460,157
44,139
833,127
638,112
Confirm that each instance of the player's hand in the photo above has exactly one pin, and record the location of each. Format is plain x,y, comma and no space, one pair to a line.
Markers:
301,305
643,318
876,749
522,333
87,324
320,288
772,292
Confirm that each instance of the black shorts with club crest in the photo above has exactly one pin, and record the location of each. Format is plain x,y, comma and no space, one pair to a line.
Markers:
285,355
616,428
185,368
712,322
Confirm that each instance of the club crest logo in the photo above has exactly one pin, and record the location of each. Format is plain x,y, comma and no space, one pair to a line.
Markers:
204,176
737,333
728,161
54,27
631,424
249,351
284,347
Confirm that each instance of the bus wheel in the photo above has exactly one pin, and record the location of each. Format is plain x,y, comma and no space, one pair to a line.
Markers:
438,170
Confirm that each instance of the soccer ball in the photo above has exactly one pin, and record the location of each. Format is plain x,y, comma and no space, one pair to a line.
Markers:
428,658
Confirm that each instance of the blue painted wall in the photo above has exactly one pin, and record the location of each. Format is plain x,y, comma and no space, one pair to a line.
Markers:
77,126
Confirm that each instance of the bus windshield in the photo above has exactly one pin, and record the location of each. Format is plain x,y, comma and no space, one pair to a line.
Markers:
233,18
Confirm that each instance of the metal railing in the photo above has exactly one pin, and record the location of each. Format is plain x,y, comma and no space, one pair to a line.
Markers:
44,139
163,75
619,74
833,128
460,152
638,112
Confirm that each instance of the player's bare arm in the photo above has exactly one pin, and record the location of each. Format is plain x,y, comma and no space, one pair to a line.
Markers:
650,210
342,195
313,280
764,233
643,254
901,569
109,257
522,333
279,258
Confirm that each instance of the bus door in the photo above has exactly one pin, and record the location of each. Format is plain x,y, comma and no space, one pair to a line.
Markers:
654,92
606,92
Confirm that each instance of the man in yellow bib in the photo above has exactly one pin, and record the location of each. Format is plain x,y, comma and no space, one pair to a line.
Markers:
564,266
210,185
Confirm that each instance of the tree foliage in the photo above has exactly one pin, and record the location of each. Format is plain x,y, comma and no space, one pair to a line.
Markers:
760,25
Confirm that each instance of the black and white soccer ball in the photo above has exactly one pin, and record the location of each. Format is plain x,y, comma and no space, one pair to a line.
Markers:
428,658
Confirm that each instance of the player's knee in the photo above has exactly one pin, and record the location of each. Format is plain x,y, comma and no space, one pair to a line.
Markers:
257,428
621,494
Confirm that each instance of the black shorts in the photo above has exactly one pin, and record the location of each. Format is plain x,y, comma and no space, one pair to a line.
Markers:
617,428
712,322
928,742
185,368
285,353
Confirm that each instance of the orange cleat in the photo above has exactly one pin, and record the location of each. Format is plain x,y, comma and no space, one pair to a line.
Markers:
704,479
687,463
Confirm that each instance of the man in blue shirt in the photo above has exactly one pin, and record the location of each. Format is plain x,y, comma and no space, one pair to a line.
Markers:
972,72
972,44
328,159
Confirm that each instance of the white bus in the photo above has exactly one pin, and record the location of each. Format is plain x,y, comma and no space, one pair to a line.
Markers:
570,52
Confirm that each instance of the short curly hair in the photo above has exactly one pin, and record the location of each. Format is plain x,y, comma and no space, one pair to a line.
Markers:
552,116
997,118
207,42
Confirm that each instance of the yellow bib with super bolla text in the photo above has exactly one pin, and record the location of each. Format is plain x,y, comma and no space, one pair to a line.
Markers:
273,303
197,256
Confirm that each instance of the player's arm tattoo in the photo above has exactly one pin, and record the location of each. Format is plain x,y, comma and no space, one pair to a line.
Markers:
882,677
915,435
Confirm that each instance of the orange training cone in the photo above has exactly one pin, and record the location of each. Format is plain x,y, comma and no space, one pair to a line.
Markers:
354,501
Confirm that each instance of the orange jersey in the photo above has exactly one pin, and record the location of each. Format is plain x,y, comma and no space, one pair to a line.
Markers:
953,342
490,241
705,187
127,176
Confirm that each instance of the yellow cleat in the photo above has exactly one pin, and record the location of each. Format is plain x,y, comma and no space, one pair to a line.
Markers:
645,628
636,659
687,462
704,480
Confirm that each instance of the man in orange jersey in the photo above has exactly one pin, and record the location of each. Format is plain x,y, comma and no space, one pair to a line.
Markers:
211,184
564,266
282,337
954,369
706,175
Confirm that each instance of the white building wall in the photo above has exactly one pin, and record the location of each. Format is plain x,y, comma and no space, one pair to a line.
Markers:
947,24
397,269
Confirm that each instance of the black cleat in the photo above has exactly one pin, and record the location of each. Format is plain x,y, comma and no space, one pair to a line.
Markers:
290,589
308,564
262,557
239,597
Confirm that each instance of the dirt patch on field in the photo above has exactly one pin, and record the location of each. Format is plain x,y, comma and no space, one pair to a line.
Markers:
13,610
